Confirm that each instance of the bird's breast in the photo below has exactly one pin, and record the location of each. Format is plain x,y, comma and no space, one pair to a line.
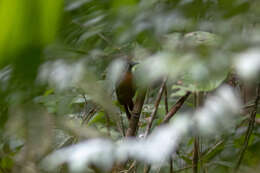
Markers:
125,89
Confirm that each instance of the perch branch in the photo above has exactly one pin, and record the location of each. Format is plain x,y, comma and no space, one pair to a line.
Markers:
133,123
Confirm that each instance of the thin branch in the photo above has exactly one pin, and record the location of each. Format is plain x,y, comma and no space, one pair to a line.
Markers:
85,99
171,165
156,105
166,99
175,108
212,148
166,111
133,123
195,159
149,125
88,116
249,129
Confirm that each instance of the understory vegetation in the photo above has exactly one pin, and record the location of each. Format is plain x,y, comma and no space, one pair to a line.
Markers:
196,86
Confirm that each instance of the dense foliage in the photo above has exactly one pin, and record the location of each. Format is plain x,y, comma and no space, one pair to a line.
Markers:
196,107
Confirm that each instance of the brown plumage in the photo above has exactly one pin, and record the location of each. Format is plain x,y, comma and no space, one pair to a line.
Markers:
125,89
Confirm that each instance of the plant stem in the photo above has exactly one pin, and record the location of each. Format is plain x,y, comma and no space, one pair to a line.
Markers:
249,129
166,99
133,123
195,159
198,98
175,108
167,110
156,105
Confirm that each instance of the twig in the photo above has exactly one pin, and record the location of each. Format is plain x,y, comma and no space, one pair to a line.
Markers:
175,108
171,165
133,123
212,148
156,105
85,99
166,111
195,159
166,99
89,116
149,125
249,129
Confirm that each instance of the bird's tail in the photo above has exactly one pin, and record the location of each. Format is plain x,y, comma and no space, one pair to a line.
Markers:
131,105
128,114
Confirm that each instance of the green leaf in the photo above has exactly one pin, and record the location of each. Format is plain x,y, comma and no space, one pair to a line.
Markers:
21,31
48,92
7,162
198,38
186,159
98,118
192,84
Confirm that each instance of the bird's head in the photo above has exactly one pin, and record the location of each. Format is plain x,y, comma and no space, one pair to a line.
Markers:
130,65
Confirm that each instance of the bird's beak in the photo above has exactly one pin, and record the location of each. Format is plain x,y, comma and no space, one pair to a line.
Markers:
133,63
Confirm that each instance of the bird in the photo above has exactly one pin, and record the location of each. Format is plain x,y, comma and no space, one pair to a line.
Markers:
125,88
